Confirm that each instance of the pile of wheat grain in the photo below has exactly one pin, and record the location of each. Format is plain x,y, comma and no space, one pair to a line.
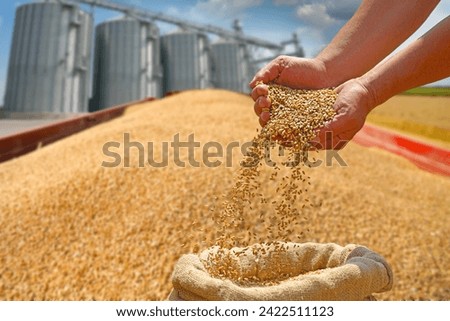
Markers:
74,230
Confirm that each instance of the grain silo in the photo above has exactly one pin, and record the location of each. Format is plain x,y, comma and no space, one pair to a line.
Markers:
49,60
127,63
186,61
231,65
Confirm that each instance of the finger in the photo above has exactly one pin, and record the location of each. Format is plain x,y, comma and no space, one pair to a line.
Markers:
267,74
261,103
257,108
261,122
265,116
260,90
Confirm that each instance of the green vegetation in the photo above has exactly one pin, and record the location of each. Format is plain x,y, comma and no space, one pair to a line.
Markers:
428,91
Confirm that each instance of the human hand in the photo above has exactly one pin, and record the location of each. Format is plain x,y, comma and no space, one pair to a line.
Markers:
352,105
293,72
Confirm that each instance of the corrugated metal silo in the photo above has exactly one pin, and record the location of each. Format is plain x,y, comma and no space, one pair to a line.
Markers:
127,63
231,65
186,61
49,60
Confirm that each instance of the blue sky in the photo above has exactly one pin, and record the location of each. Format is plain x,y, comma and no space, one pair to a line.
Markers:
316,21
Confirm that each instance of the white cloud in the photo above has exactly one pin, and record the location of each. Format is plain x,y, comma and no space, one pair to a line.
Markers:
342,9
315,15
313,40
320,20
339,10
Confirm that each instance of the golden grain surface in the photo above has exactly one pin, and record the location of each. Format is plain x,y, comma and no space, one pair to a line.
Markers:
74,230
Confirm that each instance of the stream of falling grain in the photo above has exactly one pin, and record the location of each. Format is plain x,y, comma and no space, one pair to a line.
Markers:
295,117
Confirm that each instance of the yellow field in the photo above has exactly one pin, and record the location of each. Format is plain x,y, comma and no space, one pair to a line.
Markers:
74,230
421,116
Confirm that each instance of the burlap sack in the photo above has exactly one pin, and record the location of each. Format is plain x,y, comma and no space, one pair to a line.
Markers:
346,273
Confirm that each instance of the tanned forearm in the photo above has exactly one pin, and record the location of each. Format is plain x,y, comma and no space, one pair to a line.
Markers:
425,60
375,30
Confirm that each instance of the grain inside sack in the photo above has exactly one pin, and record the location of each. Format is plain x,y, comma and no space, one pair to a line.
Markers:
301,272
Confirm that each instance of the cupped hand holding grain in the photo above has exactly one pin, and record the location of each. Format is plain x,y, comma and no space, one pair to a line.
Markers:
293,72
352,105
